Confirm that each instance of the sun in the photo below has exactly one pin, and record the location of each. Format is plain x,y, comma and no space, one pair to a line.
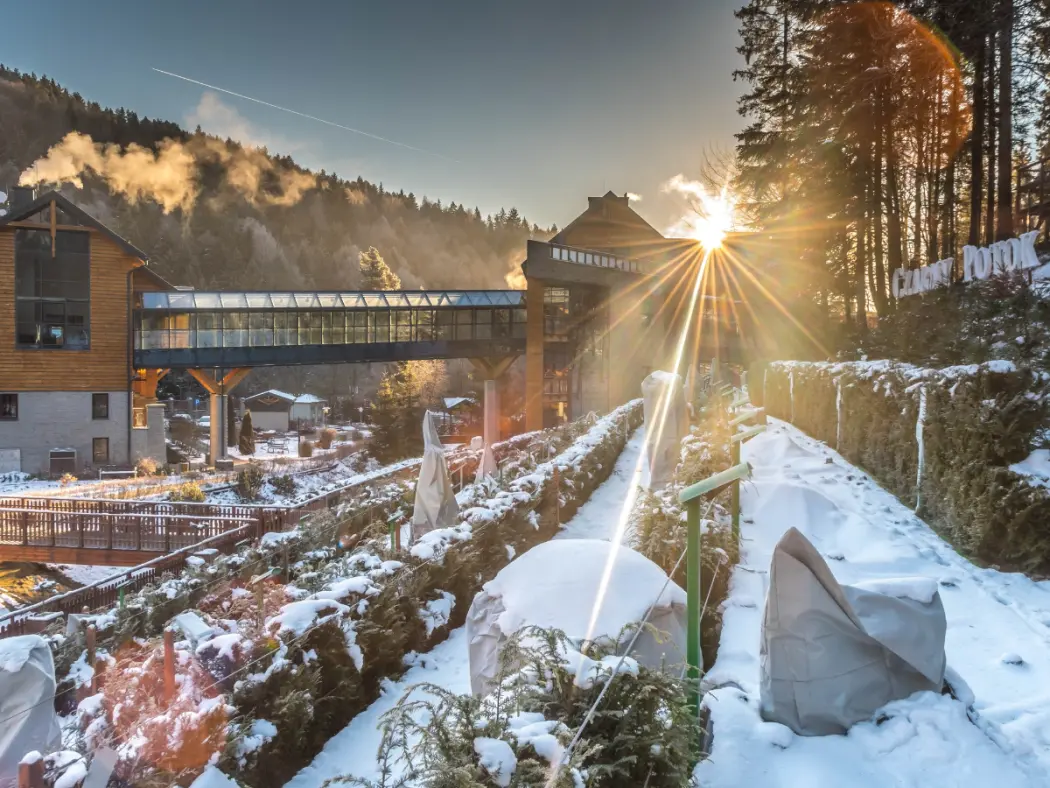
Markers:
710,217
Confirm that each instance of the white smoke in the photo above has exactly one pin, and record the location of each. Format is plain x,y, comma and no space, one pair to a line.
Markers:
632,197
168,176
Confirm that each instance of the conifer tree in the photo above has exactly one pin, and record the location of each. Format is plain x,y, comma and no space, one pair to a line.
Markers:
247,439
375,273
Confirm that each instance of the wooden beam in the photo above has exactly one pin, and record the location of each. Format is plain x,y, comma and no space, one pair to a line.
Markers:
233,377
225,386
211,385
493,369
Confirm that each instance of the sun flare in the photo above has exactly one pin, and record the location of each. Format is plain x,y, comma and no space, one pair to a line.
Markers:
709,218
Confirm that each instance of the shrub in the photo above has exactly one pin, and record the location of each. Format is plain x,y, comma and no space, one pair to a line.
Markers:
67,479
284,485
306,449
189,492
640,736
146,466
324,440
247,439
249,482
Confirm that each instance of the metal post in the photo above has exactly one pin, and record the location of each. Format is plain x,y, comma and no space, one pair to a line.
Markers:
735,460
692,585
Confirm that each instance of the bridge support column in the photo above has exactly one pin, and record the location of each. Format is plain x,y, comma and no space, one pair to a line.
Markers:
492,371
218,401
534,356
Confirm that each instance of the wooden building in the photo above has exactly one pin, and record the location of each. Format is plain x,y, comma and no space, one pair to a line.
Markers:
67,285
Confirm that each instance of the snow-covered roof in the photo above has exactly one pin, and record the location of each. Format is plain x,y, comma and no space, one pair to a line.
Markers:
455,402
273,393
308,399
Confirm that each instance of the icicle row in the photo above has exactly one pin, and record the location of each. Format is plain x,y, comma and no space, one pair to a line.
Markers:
920,422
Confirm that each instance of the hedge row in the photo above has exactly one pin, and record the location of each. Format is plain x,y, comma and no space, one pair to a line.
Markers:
318,681
977,420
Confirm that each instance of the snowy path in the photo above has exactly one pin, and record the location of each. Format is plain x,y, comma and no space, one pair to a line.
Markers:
353,750
866,533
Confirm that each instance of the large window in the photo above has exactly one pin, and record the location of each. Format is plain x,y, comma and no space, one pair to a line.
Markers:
52,291
8,407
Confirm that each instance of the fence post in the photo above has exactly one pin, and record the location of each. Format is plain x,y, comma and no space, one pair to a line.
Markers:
25,528
31,773
169,664
690,497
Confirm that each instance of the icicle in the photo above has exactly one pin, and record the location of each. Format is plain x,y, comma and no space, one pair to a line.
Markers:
919,423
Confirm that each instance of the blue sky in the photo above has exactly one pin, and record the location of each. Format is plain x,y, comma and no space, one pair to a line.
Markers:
533,104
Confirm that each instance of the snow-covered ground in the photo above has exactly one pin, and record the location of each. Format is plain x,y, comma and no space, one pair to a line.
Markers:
353,750
998,640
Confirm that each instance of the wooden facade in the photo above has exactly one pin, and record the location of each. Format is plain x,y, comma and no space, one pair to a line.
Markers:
102,367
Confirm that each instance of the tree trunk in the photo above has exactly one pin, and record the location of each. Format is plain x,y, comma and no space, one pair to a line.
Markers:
1005,226
977,149
992,117
876,212
893,208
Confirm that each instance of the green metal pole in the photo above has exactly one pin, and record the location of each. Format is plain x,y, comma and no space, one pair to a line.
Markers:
735,450
692,569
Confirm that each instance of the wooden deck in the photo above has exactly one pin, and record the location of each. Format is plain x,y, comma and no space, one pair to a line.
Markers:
114,533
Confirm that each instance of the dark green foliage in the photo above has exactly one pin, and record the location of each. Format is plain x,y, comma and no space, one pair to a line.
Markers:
978,422
247,439
639,735
284,485
249,482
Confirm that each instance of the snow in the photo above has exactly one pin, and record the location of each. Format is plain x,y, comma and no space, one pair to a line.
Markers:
437,611
1036,466
87,574
497,758
15,651
556,585
353,750
72,776
926,740
297,617
211,777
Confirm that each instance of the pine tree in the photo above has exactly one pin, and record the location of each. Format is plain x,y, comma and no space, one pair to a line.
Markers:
375,273
247,440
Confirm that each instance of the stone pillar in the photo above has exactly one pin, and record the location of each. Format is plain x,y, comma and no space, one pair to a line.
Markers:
534,356
217,404
488,458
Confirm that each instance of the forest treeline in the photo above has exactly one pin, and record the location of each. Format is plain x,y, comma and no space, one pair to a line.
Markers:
881,136
227,239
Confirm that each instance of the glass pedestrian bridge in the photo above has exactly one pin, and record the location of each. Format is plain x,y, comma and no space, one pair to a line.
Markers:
190,329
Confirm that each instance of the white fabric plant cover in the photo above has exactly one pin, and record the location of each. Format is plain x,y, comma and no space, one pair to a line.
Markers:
663,445
27,682
832,654
555,586
435,505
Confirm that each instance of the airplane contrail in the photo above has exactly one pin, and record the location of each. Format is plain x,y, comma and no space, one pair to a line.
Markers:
308,117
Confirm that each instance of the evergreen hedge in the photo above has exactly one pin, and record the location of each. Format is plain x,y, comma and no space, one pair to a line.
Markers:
979,419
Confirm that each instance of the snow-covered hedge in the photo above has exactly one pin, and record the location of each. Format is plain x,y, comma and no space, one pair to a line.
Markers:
333,646
942,440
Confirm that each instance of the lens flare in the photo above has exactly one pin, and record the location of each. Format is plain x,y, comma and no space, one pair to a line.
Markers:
710,217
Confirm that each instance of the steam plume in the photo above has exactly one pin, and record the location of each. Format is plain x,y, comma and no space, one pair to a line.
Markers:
169,176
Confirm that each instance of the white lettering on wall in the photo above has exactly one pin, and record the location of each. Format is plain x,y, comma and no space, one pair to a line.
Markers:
1015,254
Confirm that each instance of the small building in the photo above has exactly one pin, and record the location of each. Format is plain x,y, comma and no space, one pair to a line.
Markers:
274,409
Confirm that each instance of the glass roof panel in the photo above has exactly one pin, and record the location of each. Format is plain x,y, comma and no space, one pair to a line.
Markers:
353,300
181,299
282,300
375,299
417,299
206,300
329,299
154,300
258,300
306,299
456,298
233,300
398,299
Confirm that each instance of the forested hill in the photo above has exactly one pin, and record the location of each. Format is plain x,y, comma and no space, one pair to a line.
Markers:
211,213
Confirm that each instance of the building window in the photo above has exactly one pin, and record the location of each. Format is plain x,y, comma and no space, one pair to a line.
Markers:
52,290
100,451
8,407
100,406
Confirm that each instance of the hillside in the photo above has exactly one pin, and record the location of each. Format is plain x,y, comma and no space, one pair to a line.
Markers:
212,213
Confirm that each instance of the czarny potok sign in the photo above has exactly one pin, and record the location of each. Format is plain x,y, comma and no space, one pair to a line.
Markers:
1016,254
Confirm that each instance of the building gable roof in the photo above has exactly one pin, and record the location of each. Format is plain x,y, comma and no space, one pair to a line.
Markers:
82,216
608,217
